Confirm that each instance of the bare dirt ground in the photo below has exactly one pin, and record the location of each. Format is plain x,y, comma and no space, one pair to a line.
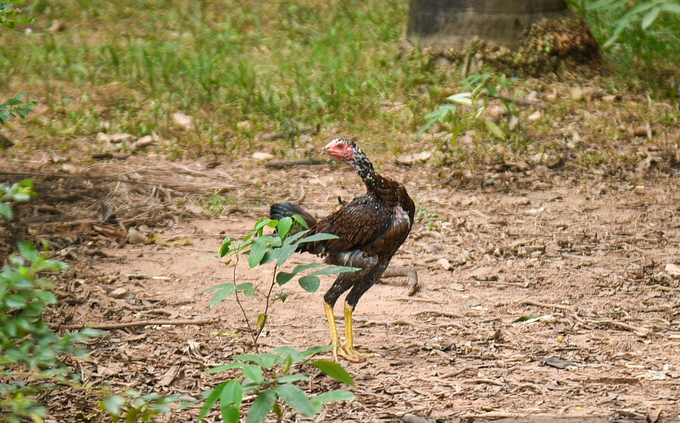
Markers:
590,263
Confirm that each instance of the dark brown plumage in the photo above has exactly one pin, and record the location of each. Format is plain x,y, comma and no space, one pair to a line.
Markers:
370,230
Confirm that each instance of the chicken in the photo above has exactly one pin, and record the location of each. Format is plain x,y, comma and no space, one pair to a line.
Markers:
370,230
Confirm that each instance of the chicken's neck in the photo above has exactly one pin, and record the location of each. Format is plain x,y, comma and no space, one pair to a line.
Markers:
379,185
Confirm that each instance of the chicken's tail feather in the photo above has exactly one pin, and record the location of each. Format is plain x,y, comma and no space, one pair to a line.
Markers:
280,210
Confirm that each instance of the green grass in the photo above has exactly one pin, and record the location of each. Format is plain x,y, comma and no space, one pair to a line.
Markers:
644,60
127,66
216,203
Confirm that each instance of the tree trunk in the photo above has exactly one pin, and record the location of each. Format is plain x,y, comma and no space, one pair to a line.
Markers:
442,24
531,35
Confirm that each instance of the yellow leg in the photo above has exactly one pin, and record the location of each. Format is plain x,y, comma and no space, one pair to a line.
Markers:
335,338
348,350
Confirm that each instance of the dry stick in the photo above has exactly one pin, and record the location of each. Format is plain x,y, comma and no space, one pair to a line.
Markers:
537,304
437,313
487,381
106,326
282,164
618,324
278,135
385,323
408,271
665,288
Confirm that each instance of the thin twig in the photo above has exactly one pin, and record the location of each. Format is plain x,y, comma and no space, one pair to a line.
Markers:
107,326
641,331
437,313
486,381
282,164
537,304
520,101
365,322
243,310
267,302
665,288
278,135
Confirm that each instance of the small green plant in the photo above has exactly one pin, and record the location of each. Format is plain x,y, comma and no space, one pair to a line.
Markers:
8,13
482,88
268,375
132,406
263,249
215,203
19,192
645,13
16,106
29,350
268,380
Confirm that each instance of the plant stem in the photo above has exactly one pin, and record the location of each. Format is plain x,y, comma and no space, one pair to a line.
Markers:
267,302
243,310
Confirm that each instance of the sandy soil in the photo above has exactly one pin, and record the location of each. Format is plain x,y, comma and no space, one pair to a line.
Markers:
593,257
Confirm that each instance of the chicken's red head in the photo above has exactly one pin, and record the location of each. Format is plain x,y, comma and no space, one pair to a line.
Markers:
340,149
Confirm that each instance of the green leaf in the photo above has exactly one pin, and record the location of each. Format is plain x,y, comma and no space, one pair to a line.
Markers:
301,221
215,288
292,378
222,294
650,17
6,211
317,237
296,399
28,251
210,400
261,407
529,318
336,395
15,301
260,224
334,270
224,249
225,367
310,283
302,267
291,239
230,413
284,226
494,129
232,393
283,278
257,253
288,352
603,4
264,360
671,7
253,373
427,126
47,297
334,370
461,98
248,289
113,404
284,253
316,350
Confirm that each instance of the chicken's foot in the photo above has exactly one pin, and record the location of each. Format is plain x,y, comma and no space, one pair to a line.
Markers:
347,350
407,271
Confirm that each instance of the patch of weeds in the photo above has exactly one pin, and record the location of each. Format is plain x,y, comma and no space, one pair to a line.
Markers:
591,159
425,217
215,203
